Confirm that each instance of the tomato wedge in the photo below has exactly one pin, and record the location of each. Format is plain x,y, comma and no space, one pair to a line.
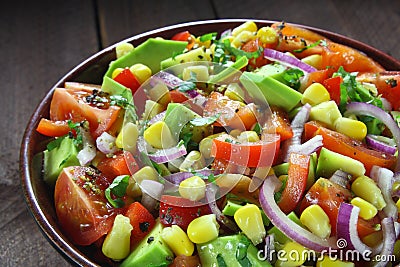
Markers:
128,79
332,85
350,147
114,166
296,182
82,209
250,154
279,123
71,104
180,211
254,46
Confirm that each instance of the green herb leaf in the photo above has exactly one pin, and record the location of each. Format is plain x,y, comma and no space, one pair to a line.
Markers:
55,143
202,121
208,37
257,128
220,261
118,100
189,84
117,188
292,77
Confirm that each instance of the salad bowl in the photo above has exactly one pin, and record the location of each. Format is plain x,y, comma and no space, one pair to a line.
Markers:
39,197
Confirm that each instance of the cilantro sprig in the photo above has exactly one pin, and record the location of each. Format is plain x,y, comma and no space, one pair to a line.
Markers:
319,42
118,189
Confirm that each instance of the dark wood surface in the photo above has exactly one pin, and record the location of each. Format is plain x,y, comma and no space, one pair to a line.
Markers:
40,41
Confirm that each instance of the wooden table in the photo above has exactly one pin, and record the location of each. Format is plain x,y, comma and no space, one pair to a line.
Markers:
42,40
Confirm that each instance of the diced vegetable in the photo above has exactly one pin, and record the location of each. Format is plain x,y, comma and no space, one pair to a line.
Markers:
203,229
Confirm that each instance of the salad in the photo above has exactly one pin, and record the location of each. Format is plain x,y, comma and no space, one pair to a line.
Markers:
257,146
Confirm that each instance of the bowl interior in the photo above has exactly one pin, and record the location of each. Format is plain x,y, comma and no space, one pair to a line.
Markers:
37,194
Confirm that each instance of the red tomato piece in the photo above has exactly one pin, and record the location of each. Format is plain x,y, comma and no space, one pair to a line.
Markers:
71,104
180,211
332,85
186,261
250,154
254,46
141,220
350,147
53,128
82,209
114,166
177,97
296,182
279,123
128,79
184,36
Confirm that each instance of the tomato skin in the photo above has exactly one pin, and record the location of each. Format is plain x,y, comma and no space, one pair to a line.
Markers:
53,128
175,210
186,261
128,79
251,154
328,196
114,166
71,104
332,85
177,97
279,123
82,210
141,220
296,182
184,36
340,143
253,46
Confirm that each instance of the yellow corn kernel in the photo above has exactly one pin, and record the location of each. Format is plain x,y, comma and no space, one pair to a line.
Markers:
151,109
267,35
367,189
158,135
160,94
292,254
332,262
242,38
249,220
117,243
249,26
316,220
200,71
123,49
234,92
367,210
177,240
205,147
315,94
193,188
145,173
248,136
116,72
313,60
373,239
203,229
141,72
127,137
235,132
352,128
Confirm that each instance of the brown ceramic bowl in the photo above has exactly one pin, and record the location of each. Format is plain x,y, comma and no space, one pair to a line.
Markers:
39,197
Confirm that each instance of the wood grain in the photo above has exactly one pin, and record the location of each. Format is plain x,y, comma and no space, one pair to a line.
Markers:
42,40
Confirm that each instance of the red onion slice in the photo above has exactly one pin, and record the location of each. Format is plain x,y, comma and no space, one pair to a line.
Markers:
151,192
106,143
341,178
285,59
287,226
385,179
160,155
389,238
376,144
360,108
88,151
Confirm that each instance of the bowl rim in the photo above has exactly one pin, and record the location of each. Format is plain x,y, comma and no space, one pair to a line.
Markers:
71,253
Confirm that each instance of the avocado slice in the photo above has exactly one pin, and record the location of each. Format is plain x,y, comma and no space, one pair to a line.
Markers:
54,160
197,54
273,91
227,72
149,53
177,116
275,71
152,251
115,88
233,251
329,162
